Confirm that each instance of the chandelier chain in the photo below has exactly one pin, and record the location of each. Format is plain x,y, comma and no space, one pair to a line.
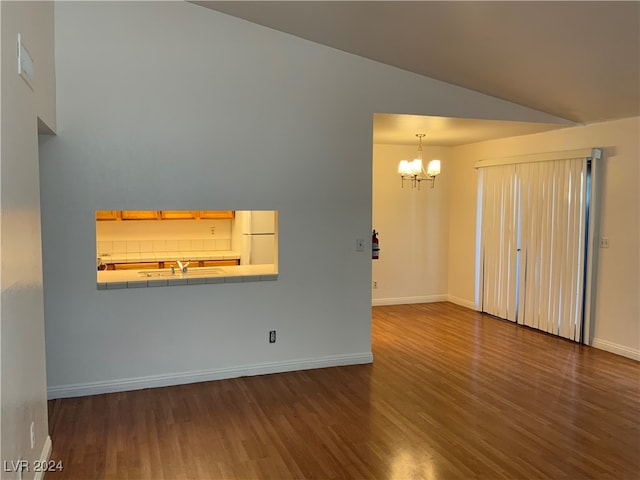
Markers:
420,135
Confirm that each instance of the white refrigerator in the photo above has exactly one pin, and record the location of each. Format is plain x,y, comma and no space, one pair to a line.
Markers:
258,237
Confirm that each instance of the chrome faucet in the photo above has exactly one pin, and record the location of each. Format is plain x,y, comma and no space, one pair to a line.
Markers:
183,267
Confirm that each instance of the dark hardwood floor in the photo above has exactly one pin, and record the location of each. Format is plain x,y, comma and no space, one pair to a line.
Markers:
452,394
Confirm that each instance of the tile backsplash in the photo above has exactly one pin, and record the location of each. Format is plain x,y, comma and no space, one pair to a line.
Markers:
142,236
155,246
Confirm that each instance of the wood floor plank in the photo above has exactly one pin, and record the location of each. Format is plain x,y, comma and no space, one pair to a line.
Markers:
452,394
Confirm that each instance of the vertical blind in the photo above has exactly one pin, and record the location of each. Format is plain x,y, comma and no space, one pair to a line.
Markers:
533,243
499,240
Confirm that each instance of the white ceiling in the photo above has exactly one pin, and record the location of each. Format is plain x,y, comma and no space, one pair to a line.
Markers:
576,60
446,131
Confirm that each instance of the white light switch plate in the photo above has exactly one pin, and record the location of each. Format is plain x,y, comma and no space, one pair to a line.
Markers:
25,63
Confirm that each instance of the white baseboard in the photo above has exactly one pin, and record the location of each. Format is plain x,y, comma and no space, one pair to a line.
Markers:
615,348
408,300
463,302
152,381
44,458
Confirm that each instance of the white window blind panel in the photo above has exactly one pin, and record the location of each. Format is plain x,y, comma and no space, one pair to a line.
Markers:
499,228
553,208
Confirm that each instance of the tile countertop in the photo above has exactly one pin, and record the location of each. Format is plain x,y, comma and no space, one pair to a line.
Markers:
118,279
163,256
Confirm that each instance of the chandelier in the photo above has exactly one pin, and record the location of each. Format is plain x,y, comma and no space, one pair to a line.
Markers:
414,171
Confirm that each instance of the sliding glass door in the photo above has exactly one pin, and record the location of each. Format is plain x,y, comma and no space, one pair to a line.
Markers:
534,227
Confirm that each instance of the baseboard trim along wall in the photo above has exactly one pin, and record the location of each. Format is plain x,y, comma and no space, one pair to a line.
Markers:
409,300
152,381
462,302
615,348
44,458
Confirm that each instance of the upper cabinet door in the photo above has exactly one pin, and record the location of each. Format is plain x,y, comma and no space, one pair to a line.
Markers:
140,215
108,215
217,214
178,214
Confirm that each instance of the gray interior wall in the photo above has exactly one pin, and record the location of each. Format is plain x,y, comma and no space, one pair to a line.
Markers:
171,106
24,107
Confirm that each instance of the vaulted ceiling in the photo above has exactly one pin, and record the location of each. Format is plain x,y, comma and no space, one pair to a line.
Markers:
576,60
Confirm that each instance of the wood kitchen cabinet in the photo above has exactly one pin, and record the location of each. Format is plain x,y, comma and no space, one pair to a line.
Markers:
167,264
219,263
178,214
197,214
202,263
108,215
102,215
217,214
140,214
133,266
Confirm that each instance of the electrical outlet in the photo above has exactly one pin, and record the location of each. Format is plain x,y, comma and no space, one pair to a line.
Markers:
604,242
272,336
375,284
213,231
32,433
359,244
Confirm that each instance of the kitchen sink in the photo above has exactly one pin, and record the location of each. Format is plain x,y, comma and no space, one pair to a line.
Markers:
205,271
196,271
158,273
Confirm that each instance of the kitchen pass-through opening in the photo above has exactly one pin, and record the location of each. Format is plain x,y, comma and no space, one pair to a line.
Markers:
162,239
